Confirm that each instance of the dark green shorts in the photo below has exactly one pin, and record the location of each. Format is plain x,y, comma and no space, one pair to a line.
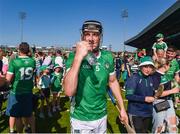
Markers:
19,105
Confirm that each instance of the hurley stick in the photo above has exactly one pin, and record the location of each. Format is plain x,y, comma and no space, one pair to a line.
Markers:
127,126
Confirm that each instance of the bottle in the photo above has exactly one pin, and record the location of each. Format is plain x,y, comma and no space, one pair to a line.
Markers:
91,58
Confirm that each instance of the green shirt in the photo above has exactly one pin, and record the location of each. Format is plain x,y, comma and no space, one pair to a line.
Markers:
161,45
90,102
174,68
22,68
56,81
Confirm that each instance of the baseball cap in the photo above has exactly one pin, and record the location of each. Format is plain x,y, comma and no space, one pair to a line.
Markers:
159,35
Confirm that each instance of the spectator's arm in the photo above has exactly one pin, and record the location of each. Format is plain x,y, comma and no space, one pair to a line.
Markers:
169,92
9,78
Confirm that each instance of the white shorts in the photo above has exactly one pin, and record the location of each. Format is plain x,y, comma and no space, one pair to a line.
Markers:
89,127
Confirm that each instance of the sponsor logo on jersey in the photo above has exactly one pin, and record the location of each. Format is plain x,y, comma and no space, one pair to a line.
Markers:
107,65
86,66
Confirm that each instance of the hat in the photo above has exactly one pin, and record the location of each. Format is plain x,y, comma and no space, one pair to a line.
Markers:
43,67
159,35
57,65
146,60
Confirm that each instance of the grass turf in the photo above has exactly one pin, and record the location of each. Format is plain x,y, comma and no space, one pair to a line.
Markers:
59,123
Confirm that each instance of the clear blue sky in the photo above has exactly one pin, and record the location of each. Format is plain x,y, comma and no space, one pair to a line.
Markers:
58,22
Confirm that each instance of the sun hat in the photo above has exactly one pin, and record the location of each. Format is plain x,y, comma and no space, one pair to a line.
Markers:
146,60
57,65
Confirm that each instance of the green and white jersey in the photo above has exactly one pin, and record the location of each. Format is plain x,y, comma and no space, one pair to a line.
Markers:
56,81
161,45
23,69
90,102
174,67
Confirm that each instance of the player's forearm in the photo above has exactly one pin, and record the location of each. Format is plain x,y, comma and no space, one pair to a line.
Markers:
71,78
117,93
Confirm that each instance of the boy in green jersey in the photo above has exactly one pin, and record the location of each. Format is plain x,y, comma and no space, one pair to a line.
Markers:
159,46
89,69
20,75
44,84
56,86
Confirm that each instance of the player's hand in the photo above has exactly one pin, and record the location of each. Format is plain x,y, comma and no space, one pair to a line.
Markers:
123,117
149,99
82,49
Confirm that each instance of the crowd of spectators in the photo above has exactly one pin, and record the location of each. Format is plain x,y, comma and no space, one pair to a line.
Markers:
141,76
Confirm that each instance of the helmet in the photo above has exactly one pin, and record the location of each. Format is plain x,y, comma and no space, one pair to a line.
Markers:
92,25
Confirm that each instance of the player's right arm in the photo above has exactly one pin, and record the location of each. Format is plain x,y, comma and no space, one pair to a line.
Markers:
71,77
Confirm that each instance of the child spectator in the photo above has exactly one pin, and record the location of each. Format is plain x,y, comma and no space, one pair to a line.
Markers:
159,45
44,85
56,86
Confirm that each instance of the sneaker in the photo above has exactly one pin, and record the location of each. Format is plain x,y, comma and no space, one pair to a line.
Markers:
49,114
54,109
41,115
13,132
58,108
